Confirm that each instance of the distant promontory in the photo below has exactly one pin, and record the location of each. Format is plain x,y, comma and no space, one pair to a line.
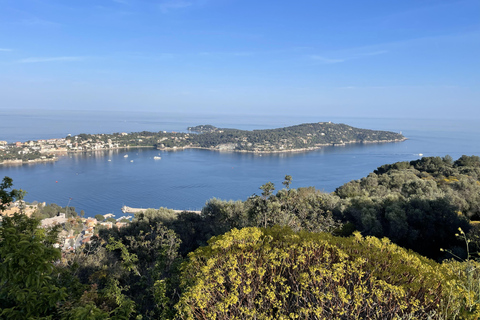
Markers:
308,136
303,137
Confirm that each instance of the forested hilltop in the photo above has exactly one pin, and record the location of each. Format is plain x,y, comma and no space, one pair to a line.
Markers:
299,137
397,244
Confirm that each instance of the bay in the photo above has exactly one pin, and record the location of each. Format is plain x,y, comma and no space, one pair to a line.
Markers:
187,179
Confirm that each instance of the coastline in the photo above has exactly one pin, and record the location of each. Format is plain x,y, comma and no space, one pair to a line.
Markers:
317,147
126,209
21,162
63,153
103,149
218,149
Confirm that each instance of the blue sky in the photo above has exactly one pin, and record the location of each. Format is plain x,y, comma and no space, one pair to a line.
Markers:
335,58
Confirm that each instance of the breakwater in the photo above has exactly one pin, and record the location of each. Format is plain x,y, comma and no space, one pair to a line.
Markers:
126,209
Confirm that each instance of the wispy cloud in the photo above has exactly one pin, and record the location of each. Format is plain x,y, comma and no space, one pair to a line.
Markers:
242,53
233,53
424,86
39,22
381,48
229,35
324,60
374,53
170,5
51,59
5,50
301,48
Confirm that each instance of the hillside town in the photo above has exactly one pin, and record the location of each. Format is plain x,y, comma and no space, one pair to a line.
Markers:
49,149
75,231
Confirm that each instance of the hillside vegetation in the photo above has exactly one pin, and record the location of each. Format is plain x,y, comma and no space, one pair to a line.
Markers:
303,136
379,248
278,274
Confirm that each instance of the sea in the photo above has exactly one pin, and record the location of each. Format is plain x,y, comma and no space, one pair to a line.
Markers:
102,182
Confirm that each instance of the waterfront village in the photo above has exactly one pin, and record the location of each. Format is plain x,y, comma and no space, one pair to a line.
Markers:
47,149
75,230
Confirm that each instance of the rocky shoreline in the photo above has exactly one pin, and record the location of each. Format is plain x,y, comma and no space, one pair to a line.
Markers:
281,151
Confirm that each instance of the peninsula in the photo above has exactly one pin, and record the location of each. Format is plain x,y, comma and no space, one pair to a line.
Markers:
308,136
303,137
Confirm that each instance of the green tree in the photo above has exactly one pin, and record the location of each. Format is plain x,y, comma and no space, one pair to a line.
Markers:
267,189
261,211
222,216
30,283
26,263
287,181
7,194
27,288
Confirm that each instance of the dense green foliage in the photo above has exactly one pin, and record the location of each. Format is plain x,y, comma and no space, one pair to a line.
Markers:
140,259
7,194
413,204
309,135
280,254
203,128
27,287
51,210
300,209
418,204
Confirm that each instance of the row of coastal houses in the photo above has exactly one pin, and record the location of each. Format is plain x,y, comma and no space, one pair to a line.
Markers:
68,240
61,145
92,223
53,146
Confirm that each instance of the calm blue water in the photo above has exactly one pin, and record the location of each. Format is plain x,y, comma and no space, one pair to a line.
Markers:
187,179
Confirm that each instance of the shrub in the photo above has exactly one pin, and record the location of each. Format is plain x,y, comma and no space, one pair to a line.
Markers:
275,273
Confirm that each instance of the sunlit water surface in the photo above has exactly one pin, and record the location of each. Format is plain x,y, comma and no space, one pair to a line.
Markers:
102,182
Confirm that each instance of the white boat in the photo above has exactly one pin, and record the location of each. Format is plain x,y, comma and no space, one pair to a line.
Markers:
109,160
125,156
420,154
131,160
157,158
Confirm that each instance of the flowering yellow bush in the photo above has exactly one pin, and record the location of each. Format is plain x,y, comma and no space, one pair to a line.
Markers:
275,273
